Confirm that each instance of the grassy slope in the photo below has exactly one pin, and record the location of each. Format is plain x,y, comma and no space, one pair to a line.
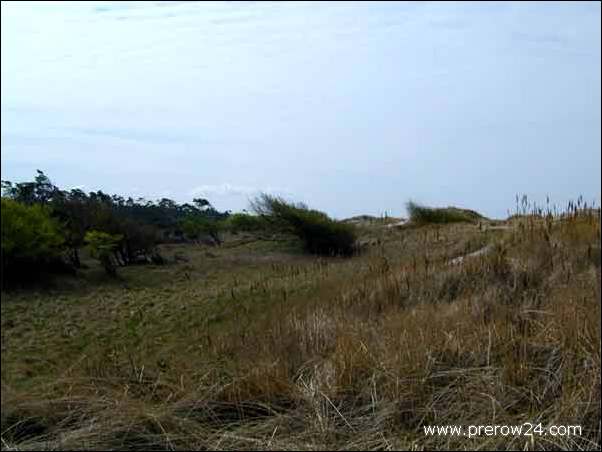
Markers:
257,346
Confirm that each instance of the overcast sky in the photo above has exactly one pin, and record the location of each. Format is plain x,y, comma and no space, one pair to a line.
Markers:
351,108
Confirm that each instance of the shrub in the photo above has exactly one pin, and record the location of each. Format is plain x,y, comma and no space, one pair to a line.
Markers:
319,233
196,226
246,223
422,214
102,246
139,240
31,238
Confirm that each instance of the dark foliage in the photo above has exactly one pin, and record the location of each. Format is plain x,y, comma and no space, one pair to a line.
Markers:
421,214
320,234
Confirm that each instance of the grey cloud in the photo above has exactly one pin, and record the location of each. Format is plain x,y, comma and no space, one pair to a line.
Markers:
227,189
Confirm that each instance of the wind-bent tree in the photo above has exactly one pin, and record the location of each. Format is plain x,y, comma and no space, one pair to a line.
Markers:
320,234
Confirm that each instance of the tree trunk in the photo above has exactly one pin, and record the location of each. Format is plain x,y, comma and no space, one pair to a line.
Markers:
109,265
118,256
75,261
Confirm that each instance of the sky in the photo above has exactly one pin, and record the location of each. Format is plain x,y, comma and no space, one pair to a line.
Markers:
352,108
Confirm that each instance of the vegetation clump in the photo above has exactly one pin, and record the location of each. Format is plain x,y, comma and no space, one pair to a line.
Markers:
421,214
244,222
200,228
102,246
320,234
31,239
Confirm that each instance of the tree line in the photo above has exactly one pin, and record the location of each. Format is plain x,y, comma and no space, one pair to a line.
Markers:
44,227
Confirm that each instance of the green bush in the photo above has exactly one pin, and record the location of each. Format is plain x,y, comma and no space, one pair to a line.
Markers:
242,222
102,246
31,238
421,214
197,226
319,233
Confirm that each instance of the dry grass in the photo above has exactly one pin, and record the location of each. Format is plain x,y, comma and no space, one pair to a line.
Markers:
256,346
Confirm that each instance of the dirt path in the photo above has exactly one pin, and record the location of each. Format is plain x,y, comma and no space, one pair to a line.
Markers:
486,249
460,259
